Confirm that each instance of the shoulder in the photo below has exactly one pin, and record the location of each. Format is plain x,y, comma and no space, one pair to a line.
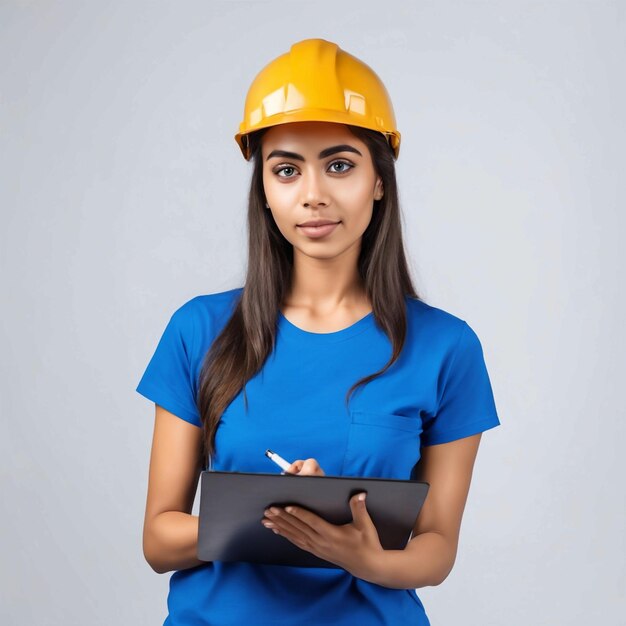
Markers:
441,326
199,320
212,306
435,318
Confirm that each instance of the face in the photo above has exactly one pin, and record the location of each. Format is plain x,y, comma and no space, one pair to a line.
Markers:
319,171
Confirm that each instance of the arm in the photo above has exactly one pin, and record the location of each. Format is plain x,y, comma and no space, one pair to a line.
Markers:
170,532
430,554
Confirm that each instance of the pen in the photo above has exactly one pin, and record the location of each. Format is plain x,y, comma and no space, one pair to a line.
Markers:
277,459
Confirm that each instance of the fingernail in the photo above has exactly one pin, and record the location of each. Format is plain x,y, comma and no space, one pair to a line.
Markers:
361,497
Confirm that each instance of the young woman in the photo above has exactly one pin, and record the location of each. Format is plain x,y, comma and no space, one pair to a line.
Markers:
326,355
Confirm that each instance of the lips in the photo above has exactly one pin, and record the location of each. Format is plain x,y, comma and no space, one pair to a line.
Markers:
317,232
318,223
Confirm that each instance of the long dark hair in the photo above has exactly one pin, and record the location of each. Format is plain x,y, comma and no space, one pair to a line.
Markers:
248,337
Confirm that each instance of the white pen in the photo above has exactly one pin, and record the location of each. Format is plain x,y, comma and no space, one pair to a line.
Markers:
277,459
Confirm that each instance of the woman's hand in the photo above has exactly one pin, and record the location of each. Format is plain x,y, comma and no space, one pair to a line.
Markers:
354,546
310,467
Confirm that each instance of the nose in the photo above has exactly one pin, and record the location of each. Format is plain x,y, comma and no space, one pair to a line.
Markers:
313,190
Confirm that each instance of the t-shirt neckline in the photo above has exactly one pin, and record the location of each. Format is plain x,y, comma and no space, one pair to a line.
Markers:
291,331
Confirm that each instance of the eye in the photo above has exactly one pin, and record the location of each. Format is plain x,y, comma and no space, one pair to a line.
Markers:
288,170
350,166
282,169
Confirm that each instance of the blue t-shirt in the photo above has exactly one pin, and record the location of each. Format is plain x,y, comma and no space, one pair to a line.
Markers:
437,391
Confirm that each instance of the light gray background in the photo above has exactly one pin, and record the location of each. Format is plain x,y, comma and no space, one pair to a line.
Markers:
123,195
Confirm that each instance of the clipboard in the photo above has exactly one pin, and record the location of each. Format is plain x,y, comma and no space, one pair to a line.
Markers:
232,505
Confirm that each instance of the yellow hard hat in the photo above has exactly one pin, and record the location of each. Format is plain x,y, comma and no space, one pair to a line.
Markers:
318,81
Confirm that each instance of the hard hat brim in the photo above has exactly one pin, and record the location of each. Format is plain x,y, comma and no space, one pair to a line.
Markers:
313,115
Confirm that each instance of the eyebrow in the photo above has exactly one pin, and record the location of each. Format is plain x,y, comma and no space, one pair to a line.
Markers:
322,155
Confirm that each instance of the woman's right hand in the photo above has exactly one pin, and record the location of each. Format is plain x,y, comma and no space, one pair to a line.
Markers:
308,467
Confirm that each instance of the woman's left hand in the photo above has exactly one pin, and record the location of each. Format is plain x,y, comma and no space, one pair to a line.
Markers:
354,546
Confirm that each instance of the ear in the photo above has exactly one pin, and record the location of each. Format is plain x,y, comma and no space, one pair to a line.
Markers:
378,189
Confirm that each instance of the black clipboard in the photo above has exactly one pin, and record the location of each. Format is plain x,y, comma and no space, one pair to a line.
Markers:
232,506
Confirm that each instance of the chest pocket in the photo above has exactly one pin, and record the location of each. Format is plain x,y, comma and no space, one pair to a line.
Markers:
381,445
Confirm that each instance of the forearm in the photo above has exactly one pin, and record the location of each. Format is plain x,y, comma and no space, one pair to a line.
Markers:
426,561
171,542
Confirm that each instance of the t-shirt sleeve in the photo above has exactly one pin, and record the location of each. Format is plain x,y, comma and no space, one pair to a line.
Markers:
168,379
467,405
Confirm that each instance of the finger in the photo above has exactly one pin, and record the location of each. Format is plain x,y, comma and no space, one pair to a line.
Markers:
360,515
289,524
303,519
295,467
316,468
298,533
310,467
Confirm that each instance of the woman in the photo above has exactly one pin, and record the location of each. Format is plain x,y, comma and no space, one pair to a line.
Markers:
326,355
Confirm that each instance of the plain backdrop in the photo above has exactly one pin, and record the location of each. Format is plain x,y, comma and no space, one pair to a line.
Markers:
123,195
